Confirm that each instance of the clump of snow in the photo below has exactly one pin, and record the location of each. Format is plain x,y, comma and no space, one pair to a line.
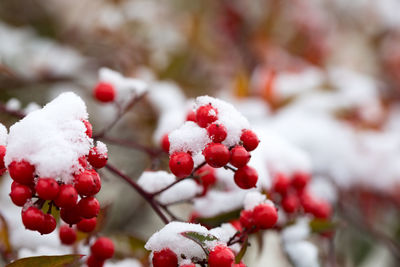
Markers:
227,116
31,107
170,237
101,148
303,253
298,231
323,188
224,233
155,181
52,138
3,135
188,137
252,199
13,104
130,262
183,190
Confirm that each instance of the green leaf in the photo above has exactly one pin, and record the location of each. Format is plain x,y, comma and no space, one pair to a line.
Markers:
46,261
200,239
321,226
242,251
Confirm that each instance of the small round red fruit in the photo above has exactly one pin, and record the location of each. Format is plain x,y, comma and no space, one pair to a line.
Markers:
104,92
88,207
48,226
2,154
102,248
206,115
165,143
239,156
21,171
67,235
191,116
217,132
96,159
71,215
87,183
246,177
164,258
216,155
246,219
32,218
181,164
67,196
265,215
92,261
300,179
249,139
290,203
221,256
281,183
89,128
87,225
20,194
47,188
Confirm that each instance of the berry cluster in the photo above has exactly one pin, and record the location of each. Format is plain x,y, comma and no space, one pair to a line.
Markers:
219,256
75,201
217,151
293,196
262,216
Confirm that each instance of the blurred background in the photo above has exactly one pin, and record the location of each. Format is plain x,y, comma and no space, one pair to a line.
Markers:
325,75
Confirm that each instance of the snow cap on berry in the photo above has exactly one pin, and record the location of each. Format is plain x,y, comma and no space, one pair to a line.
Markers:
52,138
188,137
252,199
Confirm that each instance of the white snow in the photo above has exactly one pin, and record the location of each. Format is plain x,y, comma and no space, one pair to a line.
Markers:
52,138
188,137
184,190
101,148
3,135
13,104
252,199
155,181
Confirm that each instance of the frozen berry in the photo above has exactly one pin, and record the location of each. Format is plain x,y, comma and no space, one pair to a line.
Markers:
102,248
88,207
32,218
67,196
87,225
300,179
20,194
71,215
206,115
221,256
92,261
249,139
165,258
67,235
216,155
165,143
239,156
21,172
47,188
217,132
281,183
89,128
265,215
96,159
246,177
87,183
191,116
104,92
2,154
48,226
181,164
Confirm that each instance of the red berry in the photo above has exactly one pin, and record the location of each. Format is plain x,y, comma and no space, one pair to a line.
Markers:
67,235
96,159
102,248
300,180
322,210
207,175
265,216
89,128
221,256
281,183
191,116
290,203
188,265
246,177
217,132
249,139
241,264
319,208
47,188
87,225
104,92
165,143
246,219
87,183
206,115
216,155
71,215
32,218
88,207
48,225
181,164
165,258
83,161
92,261
20,194
2,154
67,196
21,172
239,156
